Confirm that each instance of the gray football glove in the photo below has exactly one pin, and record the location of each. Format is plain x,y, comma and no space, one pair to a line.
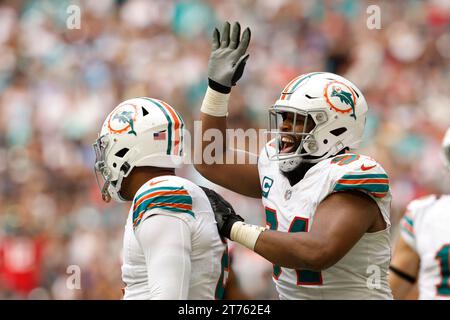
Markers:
227,59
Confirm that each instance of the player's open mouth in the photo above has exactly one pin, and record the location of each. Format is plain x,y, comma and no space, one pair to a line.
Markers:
289,144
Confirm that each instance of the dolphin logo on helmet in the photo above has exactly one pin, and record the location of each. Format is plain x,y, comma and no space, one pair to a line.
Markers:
134,135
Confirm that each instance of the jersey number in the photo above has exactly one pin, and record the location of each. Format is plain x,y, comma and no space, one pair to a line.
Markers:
443,256
298,224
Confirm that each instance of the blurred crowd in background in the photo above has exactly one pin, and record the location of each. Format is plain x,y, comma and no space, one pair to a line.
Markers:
57,85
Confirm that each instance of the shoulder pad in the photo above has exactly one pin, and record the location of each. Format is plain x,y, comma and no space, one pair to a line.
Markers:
358,172
163,193
421,203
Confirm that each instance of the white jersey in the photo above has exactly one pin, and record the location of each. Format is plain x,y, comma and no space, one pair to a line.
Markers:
207,254
426,228
292,209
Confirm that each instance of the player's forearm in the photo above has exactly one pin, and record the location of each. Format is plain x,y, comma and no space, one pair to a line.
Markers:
225,67
224,163
399,286
295,251
213,127
300,250
213,116
404,269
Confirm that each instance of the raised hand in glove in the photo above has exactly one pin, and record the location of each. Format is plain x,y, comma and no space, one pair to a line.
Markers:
228,57
223,212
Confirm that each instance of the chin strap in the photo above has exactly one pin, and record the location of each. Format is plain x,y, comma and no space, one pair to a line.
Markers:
105,194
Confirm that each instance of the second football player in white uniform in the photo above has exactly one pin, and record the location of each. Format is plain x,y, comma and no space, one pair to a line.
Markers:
293,209
423,249
328,210
171,247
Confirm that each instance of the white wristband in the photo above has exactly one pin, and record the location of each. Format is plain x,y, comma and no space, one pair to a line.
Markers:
246,234
215,103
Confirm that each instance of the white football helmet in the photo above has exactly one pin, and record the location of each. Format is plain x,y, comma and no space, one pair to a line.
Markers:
446,148
336,107
138,132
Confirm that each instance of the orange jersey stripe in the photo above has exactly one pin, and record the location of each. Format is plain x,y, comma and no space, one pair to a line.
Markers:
364,181
379,194
160,193
407,226
171,205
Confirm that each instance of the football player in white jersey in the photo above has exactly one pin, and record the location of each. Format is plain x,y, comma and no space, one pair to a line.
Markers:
171,247
423,248
328,210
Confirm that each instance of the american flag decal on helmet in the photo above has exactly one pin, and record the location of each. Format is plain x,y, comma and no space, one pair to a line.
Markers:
175,126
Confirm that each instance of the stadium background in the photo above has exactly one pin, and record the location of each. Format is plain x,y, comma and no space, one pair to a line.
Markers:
57,85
